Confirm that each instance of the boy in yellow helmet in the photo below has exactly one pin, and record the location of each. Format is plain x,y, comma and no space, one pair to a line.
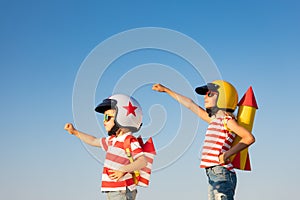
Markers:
220,101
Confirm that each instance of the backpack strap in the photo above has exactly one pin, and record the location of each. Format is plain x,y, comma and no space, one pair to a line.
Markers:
225,121
127,148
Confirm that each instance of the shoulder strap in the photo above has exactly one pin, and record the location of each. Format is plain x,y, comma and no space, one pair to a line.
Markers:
127,148
127,142
225,121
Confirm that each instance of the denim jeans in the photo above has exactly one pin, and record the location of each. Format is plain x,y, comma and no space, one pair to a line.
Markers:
121,195
222,183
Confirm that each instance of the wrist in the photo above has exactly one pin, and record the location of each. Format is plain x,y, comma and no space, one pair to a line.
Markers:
167,90
226,155
123,169
75,132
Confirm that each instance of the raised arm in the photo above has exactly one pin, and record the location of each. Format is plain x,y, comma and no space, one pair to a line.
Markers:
86,138
187,102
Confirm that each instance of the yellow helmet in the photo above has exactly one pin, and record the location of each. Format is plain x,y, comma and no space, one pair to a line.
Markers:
227,94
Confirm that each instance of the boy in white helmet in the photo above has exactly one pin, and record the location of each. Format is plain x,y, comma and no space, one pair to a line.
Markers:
122,117
220,99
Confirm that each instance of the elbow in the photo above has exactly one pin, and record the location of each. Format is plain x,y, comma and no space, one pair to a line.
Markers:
251,140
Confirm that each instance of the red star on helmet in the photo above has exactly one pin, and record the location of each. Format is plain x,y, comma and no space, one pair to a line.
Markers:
130,109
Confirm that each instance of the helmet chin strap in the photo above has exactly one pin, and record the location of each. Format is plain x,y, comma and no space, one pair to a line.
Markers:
113,130
212,111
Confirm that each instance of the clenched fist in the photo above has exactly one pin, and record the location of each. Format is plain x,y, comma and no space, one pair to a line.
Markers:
159,88
70,128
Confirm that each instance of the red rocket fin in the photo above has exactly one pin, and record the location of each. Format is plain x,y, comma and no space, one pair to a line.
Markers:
236,162
149,147
248,166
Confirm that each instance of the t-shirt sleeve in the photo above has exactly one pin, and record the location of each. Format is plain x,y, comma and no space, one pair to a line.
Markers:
136,149
104,143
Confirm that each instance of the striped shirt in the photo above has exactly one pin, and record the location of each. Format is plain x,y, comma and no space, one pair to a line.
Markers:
115,159
217,140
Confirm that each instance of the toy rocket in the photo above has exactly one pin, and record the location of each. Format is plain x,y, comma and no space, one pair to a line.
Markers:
142,177
149,151
245,118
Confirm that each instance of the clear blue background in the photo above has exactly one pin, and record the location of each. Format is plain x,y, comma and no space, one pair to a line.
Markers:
43,44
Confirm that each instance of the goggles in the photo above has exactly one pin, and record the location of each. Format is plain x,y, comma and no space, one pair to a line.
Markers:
211,93
107,117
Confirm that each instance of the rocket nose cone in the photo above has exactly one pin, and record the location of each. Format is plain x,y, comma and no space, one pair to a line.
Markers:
248,99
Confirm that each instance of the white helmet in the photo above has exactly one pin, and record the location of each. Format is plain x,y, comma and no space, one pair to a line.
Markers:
129,113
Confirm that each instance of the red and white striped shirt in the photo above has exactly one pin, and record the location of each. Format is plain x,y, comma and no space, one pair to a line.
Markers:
115,159
217,140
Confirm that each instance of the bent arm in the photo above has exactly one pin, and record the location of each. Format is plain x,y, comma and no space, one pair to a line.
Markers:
86,138
185,101
246,138
138,164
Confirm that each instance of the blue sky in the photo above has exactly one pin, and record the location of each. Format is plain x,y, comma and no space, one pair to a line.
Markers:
46,44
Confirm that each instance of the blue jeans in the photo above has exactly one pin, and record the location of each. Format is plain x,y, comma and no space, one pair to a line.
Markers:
121,195
222,183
